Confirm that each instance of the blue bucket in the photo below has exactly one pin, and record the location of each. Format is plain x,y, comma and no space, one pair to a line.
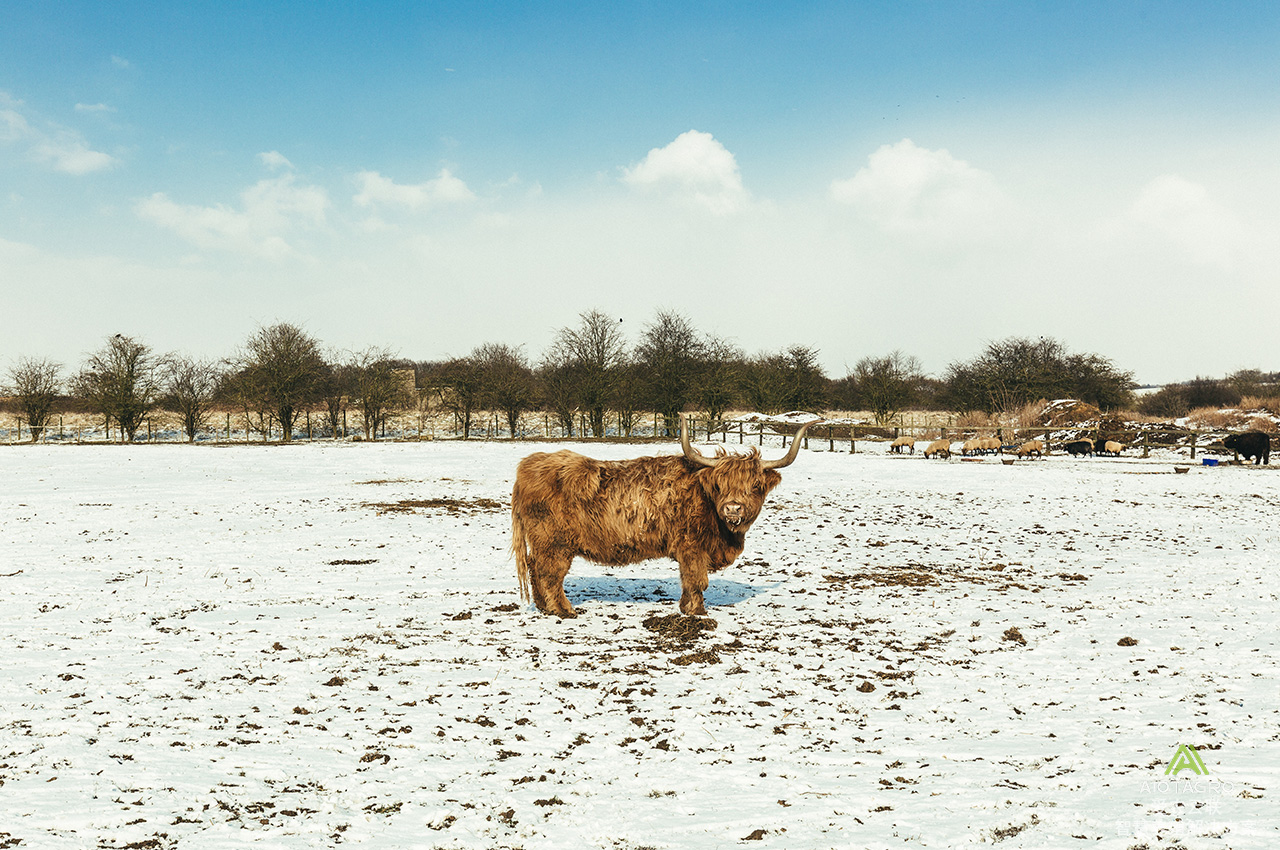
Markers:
1209,461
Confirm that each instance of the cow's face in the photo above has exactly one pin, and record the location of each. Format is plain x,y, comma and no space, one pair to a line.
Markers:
737,485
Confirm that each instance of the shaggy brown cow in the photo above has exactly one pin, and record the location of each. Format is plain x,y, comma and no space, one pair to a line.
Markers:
693,509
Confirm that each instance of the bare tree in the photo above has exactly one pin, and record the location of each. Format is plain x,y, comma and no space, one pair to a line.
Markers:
34,383
508,382
1018,370
238,389
669,354
460,384
121,381
806,382
587,358
628,395
764,383
190,386
886,385
283,367
719,378
334,389
379,386
774,382
559,390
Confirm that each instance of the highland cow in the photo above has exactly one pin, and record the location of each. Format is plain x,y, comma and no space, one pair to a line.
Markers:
691,508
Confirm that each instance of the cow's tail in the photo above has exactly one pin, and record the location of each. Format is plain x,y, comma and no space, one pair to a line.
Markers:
520,549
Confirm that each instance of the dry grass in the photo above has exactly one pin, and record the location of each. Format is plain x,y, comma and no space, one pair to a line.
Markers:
1263,423
1271,404
976,419
1212,417
1029,415
1138,418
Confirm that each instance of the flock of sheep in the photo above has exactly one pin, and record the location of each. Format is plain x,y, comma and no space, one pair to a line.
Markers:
992,445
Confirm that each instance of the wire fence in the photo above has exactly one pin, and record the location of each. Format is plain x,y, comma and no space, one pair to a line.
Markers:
226,427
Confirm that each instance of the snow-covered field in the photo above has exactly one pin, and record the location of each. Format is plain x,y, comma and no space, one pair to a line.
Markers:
322,645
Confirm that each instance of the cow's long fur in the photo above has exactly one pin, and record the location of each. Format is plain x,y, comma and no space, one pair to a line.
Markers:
565,505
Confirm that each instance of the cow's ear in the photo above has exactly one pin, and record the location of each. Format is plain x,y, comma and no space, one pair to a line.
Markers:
706,480
771,479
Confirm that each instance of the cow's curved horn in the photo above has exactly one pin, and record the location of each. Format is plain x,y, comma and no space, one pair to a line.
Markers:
689,452
790,456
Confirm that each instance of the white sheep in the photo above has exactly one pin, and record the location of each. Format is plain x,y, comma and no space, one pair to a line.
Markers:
939,448
1030,447
903,442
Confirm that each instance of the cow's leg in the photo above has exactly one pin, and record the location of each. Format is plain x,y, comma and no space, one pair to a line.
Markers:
548,584
693,581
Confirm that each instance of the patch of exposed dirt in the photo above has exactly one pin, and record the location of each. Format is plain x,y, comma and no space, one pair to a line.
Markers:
453,506
677,633
917,577
679,628
707,656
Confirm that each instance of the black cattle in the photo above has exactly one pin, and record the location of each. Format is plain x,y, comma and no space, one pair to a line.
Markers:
1079,447
1251,444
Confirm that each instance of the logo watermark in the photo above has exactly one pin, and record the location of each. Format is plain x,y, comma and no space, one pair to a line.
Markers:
1186,758
1197,799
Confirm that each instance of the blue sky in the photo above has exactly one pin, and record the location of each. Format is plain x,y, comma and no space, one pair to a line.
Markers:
859,177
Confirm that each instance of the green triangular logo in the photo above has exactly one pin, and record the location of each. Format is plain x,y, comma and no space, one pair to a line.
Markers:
1186,758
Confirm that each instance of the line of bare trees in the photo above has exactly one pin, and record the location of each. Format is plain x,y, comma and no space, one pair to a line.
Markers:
589,378
589,374
276,376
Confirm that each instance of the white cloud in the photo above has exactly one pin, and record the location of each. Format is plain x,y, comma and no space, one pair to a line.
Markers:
1182,212
94,107
909,189
695,167
275,160
378,190
121,62
13,126
270,210
68,153
60,148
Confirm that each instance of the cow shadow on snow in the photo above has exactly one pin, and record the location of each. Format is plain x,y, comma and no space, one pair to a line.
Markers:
610,589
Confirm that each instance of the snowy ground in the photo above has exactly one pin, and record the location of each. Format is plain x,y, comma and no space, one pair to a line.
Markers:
217,647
